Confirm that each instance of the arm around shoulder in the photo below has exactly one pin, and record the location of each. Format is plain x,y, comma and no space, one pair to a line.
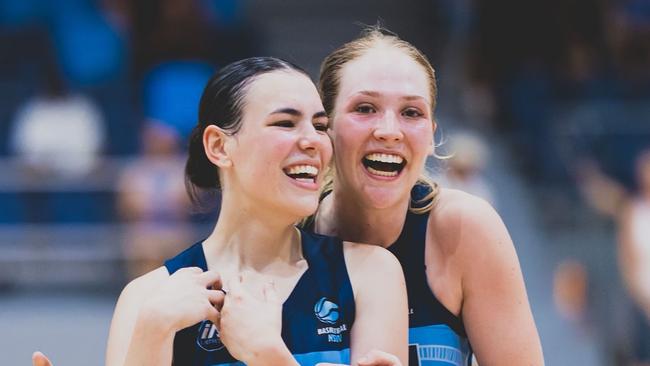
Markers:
381,320
495,307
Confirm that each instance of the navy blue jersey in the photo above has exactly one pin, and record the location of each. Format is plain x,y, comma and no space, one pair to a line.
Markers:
436,336
316,317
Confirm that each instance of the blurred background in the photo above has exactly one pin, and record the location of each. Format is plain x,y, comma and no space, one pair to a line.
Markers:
544,106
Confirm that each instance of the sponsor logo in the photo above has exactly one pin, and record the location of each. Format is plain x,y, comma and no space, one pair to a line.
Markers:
208,337
326,311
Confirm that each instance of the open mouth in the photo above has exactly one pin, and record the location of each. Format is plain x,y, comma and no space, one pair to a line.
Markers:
302,173
385,165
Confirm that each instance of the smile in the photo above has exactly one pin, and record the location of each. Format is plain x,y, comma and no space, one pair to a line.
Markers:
385,165
302,173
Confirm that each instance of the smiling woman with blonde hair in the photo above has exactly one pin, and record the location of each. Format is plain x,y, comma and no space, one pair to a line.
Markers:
466,292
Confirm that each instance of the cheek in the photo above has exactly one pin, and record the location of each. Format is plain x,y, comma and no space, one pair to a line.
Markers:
348,134
421,139
261,158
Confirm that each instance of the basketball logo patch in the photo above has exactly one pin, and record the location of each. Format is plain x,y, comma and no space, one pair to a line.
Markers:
326,311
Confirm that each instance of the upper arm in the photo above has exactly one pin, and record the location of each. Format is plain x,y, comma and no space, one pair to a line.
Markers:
126,313
381,320
495,308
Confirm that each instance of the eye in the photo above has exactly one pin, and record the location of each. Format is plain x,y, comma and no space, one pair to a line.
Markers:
285,124
412,113
365,109
320,126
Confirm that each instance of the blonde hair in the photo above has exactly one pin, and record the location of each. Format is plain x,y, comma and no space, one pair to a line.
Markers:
329,84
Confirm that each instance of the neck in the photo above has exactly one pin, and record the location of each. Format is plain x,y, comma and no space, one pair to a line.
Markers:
341,215
249,238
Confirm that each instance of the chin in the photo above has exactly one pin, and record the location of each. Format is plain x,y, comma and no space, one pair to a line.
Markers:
383,197
303,208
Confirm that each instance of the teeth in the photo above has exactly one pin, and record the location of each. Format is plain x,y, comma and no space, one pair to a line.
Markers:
303,169
385,158
382,173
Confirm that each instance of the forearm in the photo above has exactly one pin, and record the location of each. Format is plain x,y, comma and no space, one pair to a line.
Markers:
150,345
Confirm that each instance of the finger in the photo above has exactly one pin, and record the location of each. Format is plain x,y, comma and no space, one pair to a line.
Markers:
216,298
214,316
211,279
378,358
39,359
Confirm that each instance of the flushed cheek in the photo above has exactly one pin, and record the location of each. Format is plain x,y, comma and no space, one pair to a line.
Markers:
348,137
420,137
267,158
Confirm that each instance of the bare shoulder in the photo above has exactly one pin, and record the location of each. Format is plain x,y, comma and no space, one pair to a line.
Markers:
141,287
467,227
359,254
370,263
456,213
454,207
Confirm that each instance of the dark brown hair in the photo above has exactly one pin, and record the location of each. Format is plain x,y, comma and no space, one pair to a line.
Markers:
222,104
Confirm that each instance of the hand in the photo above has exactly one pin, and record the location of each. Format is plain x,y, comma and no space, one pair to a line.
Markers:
184,300
39,359
251,326
378,358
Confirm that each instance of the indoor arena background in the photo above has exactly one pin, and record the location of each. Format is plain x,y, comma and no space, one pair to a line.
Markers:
544,106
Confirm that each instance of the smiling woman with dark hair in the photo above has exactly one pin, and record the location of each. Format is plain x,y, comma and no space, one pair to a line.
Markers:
259,290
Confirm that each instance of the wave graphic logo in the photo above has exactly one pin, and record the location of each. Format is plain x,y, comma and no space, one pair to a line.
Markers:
326,311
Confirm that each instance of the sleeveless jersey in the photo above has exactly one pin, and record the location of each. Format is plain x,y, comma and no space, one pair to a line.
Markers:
436,336
316,317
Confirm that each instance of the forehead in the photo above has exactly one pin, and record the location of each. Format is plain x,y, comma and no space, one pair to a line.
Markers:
282,88
387,70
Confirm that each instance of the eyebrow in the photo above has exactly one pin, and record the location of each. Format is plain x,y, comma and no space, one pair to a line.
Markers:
320,114
296,113
414,97
376,95
369,93
290,111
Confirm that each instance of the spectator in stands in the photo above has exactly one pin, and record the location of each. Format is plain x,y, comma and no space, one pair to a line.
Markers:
632,214
57,132
468,156
151,196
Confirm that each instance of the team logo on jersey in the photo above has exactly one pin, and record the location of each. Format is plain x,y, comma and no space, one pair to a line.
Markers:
326,311
208,337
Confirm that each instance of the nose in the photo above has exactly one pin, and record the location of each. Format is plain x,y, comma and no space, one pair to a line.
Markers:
310,139
388,129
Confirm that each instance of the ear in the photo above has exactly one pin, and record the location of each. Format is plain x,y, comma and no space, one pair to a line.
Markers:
214,143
